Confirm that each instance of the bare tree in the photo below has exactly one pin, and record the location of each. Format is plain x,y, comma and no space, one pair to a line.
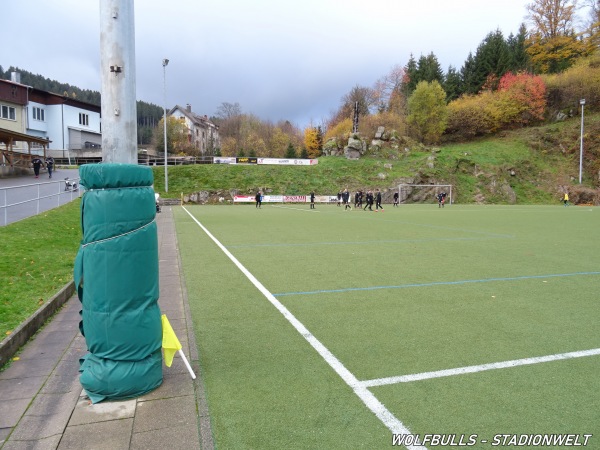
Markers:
365,98
229,110
387,90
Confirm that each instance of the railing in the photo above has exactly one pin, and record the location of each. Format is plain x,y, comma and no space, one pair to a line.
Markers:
142,160
31,199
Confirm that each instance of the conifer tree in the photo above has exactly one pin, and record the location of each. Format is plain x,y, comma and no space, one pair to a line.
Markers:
290,153
410,82
452,84
468,78
519,59
429,69
492,60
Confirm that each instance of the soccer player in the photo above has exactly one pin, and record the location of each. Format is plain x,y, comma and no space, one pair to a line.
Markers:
258,199
346,199
369,201
378,201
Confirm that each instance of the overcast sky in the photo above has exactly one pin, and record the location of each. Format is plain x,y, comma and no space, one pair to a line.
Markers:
279,59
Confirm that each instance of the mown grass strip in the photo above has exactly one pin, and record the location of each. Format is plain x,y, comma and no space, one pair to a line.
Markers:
37,260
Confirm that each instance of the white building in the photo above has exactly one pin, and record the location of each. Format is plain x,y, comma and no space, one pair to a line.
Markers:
68,124
203,135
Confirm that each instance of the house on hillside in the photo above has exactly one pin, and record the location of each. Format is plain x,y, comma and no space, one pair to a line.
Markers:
68,124
203,135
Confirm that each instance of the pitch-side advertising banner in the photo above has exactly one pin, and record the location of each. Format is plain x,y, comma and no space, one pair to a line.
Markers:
285,199
288,162
224,160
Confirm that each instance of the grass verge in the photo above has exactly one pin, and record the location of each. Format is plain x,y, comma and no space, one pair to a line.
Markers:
37,260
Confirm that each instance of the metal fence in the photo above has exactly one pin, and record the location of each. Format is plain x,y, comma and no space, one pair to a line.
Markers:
20,202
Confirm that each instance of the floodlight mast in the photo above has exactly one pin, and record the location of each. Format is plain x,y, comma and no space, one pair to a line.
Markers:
582,103
164,63
117,69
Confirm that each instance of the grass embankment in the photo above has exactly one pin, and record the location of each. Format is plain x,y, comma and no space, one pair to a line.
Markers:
37,260
525,166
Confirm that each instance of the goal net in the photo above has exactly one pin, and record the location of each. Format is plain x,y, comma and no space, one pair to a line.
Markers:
423,193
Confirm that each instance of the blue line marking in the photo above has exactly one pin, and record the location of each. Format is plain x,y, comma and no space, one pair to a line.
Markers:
394,241
437,283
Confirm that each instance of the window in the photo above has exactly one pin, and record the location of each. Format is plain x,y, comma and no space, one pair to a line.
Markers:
38,113
8,112
84,119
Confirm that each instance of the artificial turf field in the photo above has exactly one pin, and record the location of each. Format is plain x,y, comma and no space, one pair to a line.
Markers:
466,320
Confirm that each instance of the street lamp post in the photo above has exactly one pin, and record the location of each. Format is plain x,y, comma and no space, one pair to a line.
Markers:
582,103
164,63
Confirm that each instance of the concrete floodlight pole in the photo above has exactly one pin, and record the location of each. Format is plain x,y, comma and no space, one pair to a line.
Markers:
164,63
582,103
117,66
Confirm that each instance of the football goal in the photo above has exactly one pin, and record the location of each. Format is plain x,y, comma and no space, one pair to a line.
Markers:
423,193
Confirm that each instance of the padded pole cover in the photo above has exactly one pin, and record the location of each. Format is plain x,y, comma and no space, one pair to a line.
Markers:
116,274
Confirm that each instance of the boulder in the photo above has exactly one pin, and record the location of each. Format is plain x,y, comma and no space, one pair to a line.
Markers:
431,161
351,153
355,143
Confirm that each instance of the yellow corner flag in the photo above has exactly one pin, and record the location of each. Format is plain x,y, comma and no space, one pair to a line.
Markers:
169,341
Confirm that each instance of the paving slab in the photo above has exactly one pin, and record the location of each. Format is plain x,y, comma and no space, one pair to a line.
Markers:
38,427
49,443
111,435
86,412
175,384
61,384
20,388
11,411
172,438
37,367
165,413
53,405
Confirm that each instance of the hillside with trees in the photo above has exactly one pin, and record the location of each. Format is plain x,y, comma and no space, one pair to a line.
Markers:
530,78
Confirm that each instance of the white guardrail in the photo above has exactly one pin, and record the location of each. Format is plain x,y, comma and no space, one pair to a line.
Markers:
20,202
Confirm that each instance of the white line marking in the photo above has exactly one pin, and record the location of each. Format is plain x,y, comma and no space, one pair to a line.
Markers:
388,419
480,368
295,209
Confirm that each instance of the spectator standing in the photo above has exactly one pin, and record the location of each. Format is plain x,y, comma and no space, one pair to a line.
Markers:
50,165
37,163
312,200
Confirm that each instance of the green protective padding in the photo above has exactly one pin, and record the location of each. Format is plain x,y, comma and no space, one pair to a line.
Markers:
105,379
116,274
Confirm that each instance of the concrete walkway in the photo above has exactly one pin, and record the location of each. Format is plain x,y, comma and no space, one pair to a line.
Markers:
42,404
